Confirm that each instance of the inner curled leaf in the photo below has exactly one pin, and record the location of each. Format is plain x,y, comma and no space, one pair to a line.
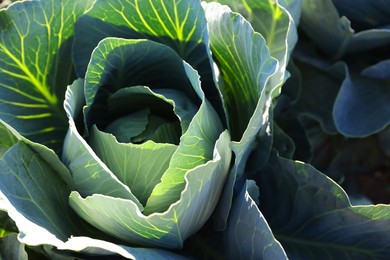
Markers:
147,117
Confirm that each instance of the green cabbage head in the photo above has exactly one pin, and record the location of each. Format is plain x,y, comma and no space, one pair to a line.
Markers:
153,165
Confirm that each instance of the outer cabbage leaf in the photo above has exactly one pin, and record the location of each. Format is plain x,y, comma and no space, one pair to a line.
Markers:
248,235
34,207
89,174
333,34
36,66
180,25
314,218
41,212
276,21
245,65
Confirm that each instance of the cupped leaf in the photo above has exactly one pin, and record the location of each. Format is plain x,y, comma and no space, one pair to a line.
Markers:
361,107
89,174
195,148
119,63
36,66
248,235
158,100
123,219
127,127
140,167
314,218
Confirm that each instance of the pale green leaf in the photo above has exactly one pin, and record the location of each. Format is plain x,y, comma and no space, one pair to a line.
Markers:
195,148
121,218
87,247
127,127
140,167
90,175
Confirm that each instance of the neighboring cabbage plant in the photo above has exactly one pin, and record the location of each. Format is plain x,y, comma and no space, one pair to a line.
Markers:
342,63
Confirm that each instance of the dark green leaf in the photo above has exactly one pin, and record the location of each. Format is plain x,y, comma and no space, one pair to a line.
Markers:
35,207
333,33
364,14
36,66
362,106
313,218
248,235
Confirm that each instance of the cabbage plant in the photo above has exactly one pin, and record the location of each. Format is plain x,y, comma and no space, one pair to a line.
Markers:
341,61
145,130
